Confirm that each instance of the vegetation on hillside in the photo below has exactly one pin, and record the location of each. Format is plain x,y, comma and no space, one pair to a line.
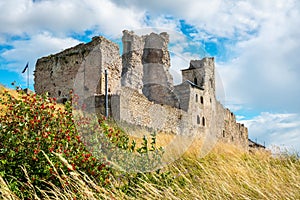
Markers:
43,156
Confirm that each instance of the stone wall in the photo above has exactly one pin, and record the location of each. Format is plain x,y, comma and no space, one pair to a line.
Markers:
234,132
134,108
182,93
80,68
140,86
132,66
197,97
55,74
254,147
146,63
201,73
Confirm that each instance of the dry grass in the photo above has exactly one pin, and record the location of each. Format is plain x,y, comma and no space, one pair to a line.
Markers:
16,94
225,173
228,173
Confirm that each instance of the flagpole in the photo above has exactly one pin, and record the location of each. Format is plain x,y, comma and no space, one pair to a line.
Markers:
24,70
106,94
28,79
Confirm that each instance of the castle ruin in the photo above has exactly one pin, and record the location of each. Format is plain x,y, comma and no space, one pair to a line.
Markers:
141,89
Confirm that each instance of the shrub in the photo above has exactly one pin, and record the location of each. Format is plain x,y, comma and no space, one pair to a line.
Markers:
33,124
42,141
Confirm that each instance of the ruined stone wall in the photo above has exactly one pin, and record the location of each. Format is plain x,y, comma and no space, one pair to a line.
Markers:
196,108
80,68
132,66
202,100
234,132
203,106
182,93
255,147
202,73
55,74
146,63
134,108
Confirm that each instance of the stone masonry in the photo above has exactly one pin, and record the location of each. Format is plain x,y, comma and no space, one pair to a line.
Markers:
141,89
79,67
146,63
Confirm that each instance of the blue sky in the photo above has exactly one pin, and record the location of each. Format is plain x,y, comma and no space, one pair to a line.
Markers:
256,45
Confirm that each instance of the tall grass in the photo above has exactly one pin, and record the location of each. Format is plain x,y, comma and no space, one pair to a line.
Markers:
225,173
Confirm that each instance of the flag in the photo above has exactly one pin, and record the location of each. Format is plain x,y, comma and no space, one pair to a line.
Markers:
24,70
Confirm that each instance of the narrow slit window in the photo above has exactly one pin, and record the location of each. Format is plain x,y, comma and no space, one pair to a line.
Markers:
198,119
195,81
203,121
201,100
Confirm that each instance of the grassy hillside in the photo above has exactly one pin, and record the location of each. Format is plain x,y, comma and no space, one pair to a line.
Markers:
220,175
225,173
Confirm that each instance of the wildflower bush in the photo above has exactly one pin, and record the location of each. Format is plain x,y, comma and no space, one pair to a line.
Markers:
42,139
33,126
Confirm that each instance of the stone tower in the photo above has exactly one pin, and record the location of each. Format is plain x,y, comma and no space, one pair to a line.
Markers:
202,74
202,99
132,66
146,63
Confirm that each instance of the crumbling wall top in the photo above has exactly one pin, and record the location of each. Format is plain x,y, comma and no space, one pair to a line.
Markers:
207,61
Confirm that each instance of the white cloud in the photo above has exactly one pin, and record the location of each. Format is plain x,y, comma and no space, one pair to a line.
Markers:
29,50
66,16
279,129
36,29
37,46
265,73
228,18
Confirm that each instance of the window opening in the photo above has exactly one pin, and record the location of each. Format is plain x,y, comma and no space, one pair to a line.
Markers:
198,119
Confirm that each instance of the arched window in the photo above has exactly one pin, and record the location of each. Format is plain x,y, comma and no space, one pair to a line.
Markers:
224,133
196,97
198,119
201,100
195,81
203,121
